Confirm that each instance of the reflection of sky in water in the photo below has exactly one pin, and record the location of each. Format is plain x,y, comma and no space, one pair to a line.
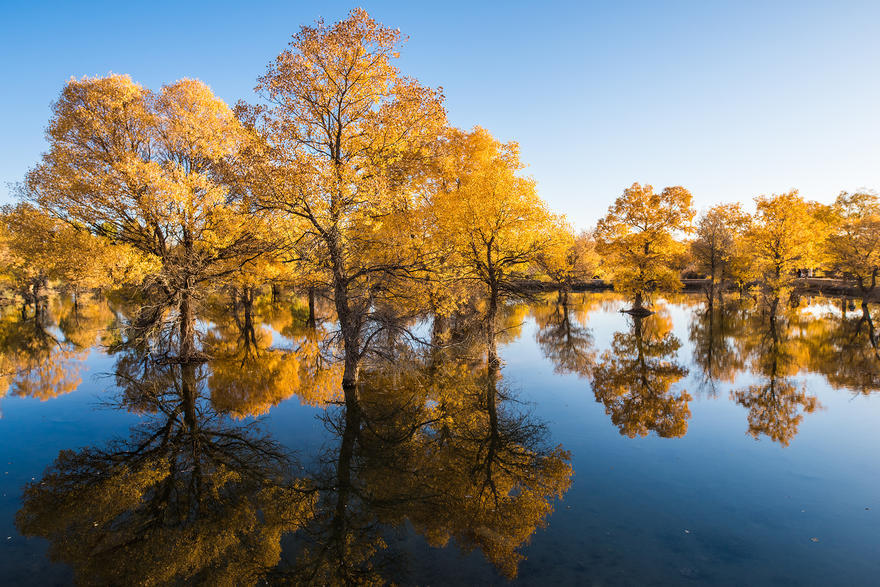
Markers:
715,505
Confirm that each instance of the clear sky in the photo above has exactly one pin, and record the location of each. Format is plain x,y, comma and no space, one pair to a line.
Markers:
729,99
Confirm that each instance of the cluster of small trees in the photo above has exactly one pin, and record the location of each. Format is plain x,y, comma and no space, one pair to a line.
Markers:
347,178
649,240
788,237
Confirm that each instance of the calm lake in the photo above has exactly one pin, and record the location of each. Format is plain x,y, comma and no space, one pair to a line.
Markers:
698,445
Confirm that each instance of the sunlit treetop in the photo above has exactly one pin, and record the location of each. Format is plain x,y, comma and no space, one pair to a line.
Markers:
785,234
638,235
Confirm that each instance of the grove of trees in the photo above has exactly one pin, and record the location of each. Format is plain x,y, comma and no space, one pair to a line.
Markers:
345,178
344,181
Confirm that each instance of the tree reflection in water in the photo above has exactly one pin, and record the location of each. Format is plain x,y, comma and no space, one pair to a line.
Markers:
189,496
845,349
563,336
714,328
634,379
428,441
775,347
37,360
431,440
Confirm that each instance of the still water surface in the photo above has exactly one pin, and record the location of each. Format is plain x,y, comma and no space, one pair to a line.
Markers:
695,446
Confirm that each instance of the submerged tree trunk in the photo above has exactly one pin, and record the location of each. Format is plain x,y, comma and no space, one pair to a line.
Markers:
491,343
186,326
774,305
310,322
350,326
638,308
866,316
188,390
40,301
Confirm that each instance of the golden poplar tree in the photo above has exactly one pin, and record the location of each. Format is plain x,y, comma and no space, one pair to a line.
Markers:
853,245
343,133
492,219
148,169
570,258
714,247
638,238
784,236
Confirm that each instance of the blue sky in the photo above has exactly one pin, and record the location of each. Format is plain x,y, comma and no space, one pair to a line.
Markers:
729,99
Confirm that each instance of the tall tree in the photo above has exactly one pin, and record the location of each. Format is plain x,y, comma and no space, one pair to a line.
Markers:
638,238
717,232
343,132
784,236
494,220
36,249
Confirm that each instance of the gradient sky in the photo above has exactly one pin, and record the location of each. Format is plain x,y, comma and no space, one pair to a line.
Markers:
729,99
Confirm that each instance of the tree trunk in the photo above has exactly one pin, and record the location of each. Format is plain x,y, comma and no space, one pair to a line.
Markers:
349,324
638,308
774,305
